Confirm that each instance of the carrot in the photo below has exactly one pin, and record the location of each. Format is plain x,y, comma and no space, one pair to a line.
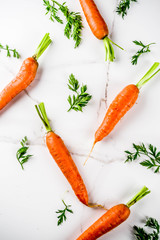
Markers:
63,158
25,75
98,26
123,102
112,218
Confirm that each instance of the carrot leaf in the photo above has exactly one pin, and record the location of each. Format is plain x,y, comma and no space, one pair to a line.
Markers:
123,6
43,116
53,11
80,100
144,49
9,50
73,25
62,213
142,193
46,41
141,234
153,156
21,153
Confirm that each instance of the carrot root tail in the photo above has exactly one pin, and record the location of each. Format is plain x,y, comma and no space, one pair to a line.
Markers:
89,153
92,205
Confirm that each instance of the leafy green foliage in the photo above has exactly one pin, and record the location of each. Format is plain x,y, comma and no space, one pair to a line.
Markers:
144,49
52,9
153,156
123,6
81,99
141,234
153,223
73,26
62,217
21,153
9,50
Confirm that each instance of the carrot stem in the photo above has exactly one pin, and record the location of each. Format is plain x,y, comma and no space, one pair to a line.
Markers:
109,49
116,44
150,74
43,116
46,41
89,153
142,193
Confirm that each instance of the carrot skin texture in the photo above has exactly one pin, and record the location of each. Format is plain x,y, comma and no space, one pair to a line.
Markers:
65,162
118,108
110,220
22,80
95,21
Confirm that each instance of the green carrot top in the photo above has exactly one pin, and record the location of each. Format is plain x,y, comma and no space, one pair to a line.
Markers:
46,41
109,49
142,193
150,74
43,116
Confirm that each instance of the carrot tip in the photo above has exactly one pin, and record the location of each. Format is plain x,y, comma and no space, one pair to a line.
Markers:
89,153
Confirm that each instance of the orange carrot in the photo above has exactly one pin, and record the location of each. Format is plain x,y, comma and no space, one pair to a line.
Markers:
112,218
123,102
98,26
63,158
25,76
94,19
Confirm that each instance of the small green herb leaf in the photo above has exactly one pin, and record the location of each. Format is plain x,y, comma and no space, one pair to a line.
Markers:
73,26
73,83
153,156
123,6
21,157
144,49
141,234
153,223
9,50
62,213
82,98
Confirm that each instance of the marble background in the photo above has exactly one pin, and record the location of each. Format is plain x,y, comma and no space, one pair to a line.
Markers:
29,198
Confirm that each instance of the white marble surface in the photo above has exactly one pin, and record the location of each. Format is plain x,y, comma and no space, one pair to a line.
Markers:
29,198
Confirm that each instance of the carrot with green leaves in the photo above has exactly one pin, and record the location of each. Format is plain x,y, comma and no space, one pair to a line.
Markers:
98,26
25,75
63,158
112,218
123,102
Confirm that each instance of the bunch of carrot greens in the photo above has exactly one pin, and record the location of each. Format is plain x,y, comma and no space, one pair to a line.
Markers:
73,26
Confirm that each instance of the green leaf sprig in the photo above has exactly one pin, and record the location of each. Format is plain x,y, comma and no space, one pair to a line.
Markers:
144,49
141,234
73,26
153,156
79,101
9,50
123,6
21,153
62,217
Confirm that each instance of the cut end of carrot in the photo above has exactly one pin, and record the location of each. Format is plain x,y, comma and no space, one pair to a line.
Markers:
89,153
142,193
92,205
43,116
46,41
149,75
